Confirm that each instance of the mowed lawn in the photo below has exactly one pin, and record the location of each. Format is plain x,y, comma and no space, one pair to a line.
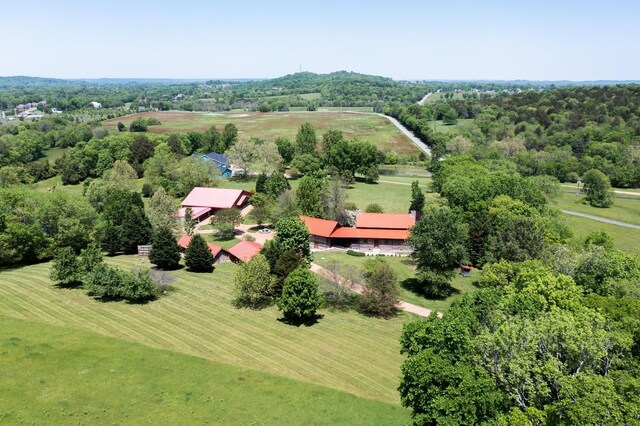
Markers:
405,272
58,375
626,208
627,239
345,351
370,127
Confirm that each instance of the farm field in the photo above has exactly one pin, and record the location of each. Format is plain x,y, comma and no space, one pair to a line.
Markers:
373,128
344,350
57,375
625,209
405,272
627,239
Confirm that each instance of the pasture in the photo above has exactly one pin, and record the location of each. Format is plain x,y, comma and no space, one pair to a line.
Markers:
58,375
344,350
370,127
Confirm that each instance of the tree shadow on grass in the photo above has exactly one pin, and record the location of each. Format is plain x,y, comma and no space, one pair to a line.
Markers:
307,322
68,286
421,289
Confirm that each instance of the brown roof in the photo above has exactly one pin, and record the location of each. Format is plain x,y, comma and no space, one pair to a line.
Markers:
319,227
385,221
245,250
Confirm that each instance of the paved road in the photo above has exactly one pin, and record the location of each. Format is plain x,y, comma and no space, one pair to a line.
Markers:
423,100
405,306
601,219
637,194
424,148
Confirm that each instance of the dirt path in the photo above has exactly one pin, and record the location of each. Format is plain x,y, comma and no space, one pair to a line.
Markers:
400,183
601,219
405,306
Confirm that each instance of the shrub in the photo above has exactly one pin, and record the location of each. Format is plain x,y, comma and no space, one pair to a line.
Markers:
374,208
147,190
300,299
380,295
138,125
65,269
253,284
109,283
355,253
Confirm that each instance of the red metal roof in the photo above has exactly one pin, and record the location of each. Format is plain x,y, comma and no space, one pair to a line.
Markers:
385,221
379,234
196,211
215,198
185,240
245,250
320,227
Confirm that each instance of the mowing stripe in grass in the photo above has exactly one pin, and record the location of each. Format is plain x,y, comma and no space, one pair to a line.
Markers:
344,350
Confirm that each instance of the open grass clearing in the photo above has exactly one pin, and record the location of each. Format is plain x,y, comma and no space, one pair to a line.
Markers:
370,127
344,350
57,375
405,272
625,209
627,239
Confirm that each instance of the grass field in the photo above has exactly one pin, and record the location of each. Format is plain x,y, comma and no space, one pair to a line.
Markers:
372,128
393,197
56,375
344,350
52,154
405,272
624,209
627,239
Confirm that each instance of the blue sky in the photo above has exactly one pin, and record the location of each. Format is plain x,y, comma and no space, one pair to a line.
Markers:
536,40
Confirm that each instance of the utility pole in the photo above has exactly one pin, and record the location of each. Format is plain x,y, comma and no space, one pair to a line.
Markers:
578,190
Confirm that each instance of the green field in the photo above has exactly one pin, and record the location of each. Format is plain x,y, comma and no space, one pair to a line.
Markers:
373,128
57,375
623,209
344,350
405,272
627,239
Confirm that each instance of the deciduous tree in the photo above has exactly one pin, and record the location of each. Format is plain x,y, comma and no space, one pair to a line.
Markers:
300,299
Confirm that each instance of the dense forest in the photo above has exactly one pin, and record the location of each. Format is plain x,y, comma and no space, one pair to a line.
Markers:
562,132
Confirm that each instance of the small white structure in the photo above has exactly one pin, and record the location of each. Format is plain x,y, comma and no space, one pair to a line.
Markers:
96,104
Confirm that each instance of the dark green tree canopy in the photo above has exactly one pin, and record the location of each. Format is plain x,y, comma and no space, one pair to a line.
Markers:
198,257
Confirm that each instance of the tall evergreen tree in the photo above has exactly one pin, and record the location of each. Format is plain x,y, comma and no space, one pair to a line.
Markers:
198,257
165,252
136,230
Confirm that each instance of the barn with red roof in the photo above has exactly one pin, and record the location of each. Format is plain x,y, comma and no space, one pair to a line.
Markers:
206,201
386,232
